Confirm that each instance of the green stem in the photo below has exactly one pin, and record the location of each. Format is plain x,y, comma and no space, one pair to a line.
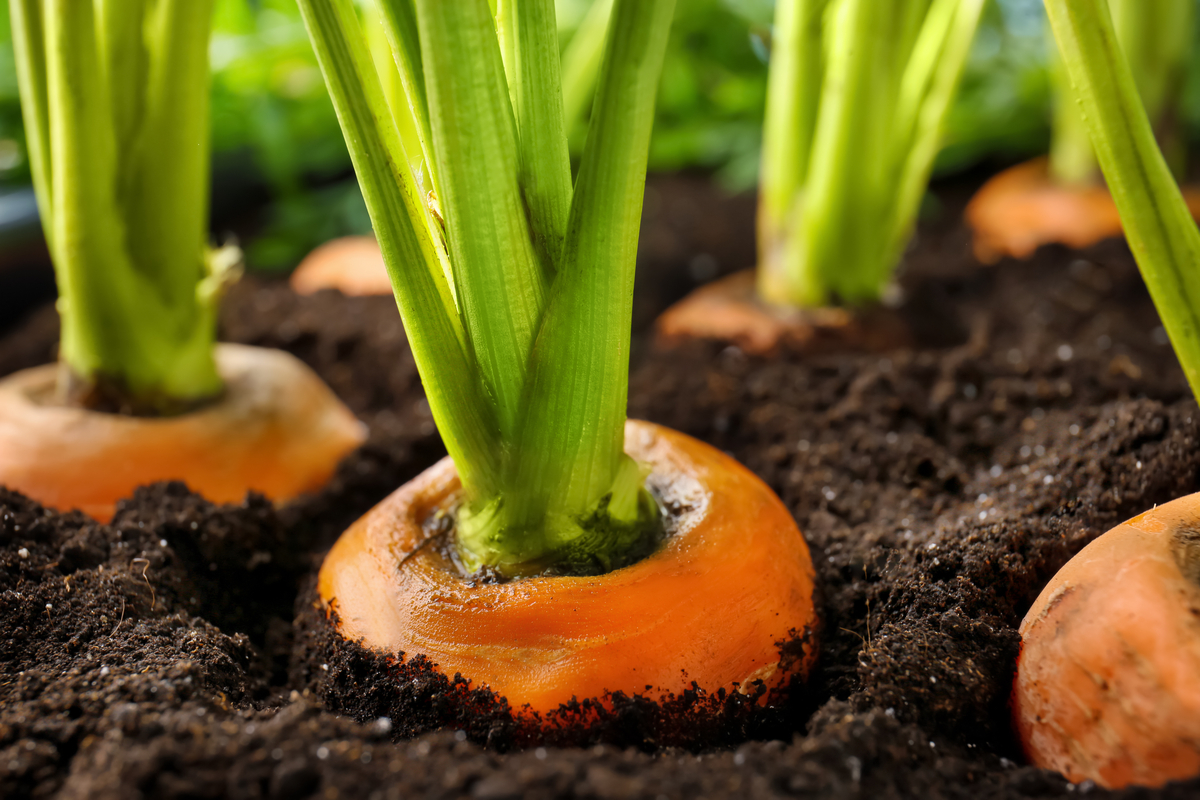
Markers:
581,62
444,356
1156,38
500,280
857,96
530,40
409,104
1158,226
1071,160
930,84
29,51
568,450
793,98
526,364
118,126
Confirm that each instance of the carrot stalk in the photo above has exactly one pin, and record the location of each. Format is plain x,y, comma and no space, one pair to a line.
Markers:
1156,38
1158,225
118,134
857,95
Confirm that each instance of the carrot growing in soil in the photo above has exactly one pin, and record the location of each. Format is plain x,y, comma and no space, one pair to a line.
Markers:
115,99
610,543
856,97
1108,681
1061,198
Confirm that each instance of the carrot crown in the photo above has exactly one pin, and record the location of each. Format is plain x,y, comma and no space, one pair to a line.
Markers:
115,98
514,285
1158,226
856,96
1156,38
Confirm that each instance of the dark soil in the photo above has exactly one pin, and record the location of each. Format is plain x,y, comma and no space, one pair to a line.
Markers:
939,487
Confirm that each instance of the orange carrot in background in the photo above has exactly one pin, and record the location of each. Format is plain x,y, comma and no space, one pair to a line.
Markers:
277,430
352,265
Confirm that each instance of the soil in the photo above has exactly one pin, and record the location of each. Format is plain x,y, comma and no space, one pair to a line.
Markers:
174,653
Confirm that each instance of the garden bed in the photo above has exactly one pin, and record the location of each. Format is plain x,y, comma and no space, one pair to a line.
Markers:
939,487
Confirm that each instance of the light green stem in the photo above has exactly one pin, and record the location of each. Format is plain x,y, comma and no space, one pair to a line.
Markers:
581,62
530,40
857,96
461,409
501,282
525,364
1156,37
118,128
568,450
1158,226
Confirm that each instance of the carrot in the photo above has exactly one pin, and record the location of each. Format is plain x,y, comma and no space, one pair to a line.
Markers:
352,264
1023,208
711,605
515,284
730,310
1108,681
277,429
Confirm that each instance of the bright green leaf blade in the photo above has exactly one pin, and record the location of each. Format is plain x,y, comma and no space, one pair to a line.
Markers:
530,38
448,370
581,62
29,50
1158,226
570,445
500,281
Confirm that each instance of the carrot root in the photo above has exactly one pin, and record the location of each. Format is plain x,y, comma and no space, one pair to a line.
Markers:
1108,680
712,605
277,430
352,264
729,310
1021,209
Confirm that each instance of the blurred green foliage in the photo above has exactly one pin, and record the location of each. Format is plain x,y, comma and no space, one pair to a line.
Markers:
269,102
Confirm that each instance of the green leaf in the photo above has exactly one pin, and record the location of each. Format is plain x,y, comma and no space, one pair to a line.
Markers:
569,447
1158,226
500,281
444,357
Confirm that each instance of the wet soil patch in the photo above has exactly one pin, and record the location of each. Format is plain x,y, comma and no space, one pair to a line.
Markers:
939,486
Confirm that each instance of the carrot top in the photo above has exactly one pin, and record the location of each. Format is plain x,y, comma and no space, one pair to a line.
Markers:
856,96
515,286
115,96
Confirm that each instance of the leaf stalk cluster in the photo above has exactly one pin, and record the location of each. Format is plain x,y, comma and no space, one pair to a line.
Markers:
514,282
856,98
116,112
